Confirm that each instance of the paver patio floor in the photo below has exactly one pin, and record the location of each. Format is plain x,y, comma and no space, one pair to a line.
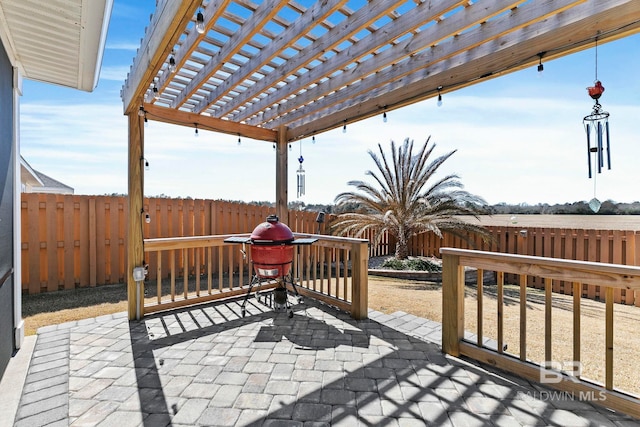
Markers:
209,366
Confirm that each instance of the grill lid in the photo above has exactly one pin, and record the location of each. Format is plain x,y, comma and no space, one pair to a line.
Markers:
272,231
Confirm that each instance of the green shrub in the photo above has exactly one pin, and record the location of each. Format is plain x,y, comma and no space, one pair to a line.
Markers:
415,264
420,264
393,264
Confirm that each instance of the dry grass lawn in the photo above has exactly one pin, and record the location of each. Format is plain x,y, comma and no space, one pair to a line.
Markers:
424,299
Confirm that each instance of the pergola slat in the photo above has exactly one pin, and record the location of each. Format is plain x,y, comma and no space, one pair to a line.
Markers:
318,12
511,51
389,65
249,28
362,18
434,35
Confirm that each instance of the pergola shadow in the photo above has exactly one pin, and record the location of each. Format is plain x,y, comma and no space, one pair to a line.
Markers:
322,366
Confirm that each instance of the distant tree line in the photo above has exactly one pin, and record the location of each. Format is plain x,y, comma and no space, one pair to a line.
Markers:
609,207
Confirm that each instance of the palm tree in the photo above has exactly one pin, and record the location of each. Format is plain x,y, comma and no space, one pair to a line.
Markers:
408,199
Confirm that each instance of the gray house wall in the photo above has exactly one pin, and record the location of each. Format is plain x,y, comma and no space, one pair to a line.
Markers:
7,286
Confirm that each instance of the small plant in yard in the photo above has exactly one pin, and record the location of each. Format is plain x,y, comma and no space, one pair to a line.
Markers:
415,264
420,264
393,264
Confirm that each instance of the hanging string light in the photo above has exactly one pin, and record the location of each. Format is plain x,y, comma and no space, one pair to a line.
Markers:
172,63
439,96
196,131
300,174
313,139
596,124
200,22
156,93
540,66
239,140
384,115
344,127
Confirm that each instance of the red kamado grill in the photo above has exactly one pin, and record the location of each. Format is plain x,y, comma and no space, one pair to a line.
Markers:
272,254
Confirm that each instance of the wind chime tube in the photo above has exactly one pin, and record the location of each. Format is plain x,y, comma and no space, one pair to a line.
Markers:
606,126
600,155
589,147
300,181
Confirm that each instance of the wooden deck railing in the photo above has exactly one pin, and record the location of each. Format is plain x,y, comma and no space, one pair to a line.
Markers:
610,277
190,270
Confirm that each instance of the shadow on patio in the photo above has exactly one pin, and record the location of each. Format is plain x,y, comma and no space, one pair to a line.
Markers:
207,365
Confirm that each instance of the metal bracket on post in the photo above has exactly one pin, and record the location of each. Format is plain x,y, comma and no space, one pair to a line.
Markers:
138,276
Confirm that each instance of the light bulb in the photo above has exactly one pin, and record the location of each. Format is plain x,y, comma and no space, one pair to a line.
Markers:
239,141
172,64
384,117
141,111
146,121
147,218
196,131
146,164
344,127
200,23
313,139
439,100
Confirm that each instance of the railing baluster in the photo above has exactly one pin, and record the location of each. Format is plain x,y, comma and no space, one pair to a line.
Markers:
185,273
523,317
172,254
548,329
480,309
500,291
220,266
209,269
159,278
197,271
577,295
608,376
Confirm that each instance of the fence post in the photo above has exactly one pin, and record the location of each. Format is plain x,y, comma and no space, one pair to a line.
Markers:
452,304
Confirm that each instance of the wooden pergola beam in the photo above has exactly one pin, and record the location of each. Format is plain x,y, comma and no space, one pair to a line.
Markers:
184,118
163,32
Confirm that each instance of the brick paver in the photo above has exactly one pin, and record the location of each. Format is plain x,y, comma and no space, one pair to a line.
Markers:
209,366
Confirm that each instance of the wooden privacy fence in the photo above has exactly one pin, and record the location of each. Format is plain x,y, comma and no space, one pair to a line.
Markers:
606,246
71,241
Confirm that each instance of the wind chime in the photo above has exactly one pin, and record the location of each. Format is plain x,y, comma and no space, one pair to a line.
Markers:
300,174
596,125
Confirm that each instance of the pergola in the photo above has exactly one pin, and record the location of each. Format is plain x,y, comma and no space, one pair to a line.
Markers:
283,70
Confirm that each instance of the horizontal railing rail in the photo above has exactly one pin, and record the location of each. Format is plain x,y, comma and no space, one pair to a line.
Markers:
610,277
190,270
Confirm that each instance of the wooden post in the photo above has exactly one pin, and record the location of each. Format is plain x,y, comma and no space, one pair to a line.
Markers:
135,251
359,281
282,157
452,304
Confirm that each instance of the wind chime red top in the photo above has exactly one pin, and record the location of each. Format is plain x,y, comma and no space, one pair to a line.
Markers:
596,90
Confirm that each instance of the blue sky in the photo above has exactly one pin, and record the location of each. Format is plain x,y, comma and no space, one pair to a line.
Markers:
519,138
